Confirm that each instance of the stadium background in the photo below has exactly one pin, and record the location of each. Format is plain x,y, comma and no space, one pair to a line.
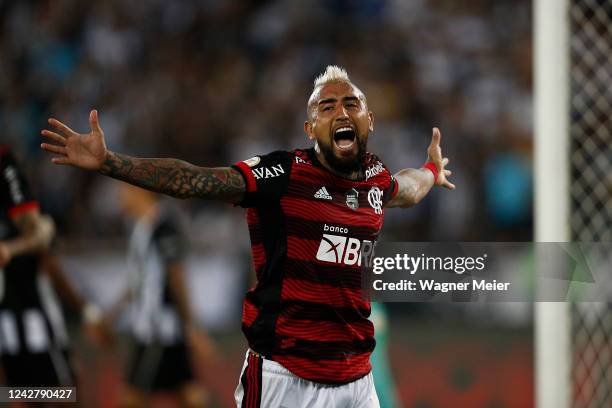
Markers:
217,81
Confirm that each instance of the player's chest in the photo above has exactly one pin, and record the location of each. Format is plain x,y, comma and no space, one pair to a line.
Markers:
328,201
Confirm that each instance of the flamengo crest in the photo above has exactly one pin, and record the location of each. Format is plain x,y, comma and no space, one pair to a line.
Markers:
375,199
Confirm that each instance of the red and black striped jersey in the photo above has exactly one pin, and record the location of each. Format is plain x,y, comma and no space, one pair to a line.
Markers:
309,230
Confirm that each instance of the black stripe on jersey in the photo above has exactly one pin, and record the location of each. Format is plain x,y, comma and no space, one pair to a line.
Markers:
266,296
332,350
332,274
302,310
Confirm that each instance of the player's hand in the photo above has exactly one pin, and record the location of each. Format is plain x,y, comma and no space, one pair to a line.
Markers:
5,255
434,155
87,150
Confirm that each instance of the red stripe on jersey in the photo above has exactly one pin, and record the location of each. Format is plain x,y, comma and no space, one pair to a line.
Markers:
252,216
249,312
314,176
329,274
22,208
308,229
248,176
316,330
259,255
294,289
395,189
327,371
330,212
302,249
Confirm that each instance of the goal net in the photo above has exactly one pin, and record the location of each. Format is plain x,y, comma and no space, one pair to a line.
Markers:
574,81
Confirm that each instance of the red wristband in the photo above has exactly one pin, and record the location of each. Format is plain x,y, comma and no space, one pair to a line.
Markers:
432,167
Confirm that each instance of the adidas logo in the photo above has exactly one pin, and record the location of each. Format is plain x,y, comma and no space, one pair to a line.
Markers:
323,194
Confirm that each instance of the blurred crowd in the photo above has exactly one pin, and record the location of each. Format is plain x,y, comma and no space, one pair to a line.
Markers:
217,81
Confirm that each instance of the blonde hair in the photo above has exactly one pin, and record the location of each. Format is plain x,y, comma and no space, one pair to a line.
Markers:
332,73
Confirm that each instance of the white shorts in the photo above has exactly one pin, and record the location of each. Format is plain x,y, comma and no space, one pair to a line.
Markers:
267,384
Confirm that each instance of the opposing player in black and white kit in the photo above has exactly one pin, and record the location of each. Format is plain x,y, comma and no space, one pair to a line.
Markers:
311,214
162,323
33,337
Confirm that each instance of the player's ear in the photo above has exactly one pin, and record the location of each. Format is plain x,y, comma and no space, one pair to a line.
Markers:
371,121
308,130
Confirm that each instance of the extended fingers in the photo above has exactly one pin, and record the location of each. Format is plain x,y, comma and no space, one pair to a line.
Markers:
53,136
60,160
62,128
448,184
435,137
53,148
94,122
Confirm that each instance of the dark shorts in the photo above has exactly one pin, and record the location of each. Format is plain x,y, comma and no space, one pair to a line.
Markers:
48,369
160,368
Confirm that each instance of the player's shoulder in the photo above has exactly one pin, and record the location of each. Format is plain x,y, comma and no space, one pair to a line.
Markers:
374,165
282,159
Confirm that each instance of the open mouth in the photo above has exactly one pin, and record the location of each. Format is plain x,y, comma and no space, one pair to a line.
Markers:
344,138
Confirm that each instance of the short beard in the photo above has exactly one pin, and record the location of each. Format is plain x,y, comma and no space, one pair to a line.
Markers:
345,167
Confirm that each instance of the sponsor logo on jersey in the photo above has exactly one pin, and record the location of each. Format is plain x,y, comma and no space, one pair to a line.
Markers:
334,228
322,194
352,199
375,199
299,160
374,170
265,172
345,250
253,161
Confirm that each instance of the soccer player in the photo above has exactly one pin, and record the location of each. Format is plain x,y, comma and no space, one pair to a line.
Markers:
162,321
34,339
310,213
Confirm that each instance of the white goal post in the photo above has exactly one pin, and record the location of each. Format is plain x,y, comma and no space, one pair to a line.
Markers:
552,201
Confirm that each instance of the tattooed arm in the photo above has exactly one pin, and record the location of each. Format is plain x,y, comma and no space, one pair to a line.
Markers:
174,177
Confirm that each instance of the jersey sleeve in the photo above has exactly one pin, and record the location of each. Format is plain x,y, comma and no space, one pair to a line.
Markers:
384,178
391,190
170,241
266,178
14,186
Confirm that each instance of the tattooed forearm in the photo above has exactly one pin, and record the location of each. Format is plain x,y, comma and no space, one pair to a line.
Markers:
176,178
413,186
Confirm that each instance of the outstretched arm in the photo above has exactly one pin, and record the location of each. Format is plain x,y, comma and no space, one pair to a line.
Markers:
173,177
414,184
